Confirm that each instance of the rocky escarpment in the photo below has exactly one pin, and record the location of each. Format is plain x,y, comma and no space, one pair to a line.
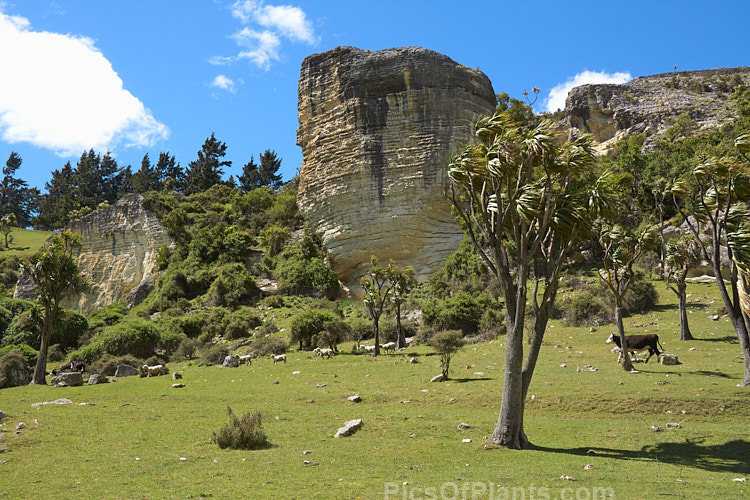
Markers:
118,255
651,104
377,130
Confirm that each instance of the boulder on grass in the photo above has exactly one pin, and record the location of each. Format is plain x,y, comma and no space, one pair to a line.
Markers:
126,371
231,361
67,380
349,428
670,359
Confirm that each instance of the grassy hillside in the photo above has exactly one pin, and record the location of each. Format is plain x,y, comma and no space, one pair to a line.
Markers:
25,242
129,438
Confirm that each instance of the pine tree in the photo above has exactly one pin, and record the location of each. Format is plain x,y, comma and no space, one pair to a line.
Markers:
167,168
269,166
16,196
146,178
58,201
207,169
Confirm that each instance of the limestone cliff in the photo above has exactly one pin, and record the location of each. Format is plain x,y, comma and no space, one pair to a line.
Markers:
377,130
118,256
650,104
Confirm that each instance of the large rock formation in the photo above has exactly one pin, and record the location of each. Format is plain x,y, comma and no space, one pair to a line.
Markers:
651,104
377,130
118,256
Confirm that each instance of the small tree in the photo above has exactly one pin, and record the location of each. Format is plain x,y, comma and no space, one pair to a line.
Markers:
54,271
681,254
446,344
403,281
621,251
377,285
7,224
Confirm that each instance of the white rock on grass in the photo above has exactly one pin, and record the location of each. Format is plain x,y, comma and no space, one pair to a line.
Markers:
349,428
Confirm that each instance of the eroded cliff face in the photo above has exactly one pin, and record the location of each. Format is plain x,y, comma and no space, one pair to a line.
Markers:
118,256
651,104
377,130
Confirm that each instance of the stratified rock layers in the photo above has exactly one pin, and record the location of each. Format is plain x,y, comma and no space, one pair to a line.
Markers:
118,256
377,130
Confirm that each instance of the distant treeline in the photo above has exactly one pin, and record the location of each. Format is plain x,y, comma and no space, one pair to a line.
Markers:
75,190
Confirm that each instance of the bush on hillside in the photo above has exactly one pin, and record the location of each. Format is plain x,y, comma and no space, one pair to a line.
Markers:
213,354
13,370
265,346
29,354
107,364
186,350
26,329
460,312
308,324
583,308
233,286
138,338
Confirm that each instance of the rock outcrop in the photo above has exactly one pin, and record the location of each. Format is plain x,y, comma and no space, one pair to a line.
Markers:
377,130
651,104
118,255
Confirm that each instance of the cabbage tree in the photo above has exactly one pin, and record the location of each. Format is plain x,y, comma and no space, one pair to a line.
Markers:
713,201
525,200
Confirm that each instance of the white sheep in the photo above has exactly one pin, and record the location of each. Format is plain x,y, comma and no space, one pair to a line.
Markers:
147,371
369,349
389,346
279,358
247,359
323,352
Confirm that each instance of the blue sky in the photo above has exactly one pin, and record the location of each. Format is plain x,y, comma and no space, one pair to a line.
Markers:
146,76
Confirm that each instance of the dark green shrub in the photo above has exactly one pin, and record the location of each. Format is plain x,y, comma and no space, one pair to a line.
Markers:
108,316
29,354
26,329
241,323
267,328
213,354
13,370
55,354
107,364
186,349
88,353
310,323
6,317
170,340
275,301
274,237
642,296
584,308
243,433
460,312
332,335
138,338
265,346
300,270
233,286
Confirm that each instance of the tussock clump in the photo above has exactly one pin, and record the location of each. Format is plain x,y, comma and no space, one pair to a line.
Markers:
243,433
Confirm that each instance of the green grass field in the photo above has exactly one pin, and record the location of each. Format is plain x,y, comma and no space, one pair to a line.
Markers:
128,439
25,242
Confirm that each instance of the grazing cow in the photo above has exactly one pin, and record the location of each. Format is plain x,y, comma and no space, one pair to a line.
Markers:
279,358
638,343
156,370
389,346
328,353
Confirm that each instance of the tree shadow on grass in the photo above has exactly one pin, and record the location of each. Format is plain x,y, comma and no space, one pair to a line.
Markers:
727,457
729,339
463,380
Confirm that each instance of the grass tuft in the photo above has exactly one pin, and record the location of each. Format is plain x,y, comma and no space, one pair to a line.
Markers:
243,433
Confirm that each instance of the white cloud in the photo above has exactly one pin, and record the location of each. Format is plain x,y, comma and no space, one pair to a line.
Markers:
51,102
278,22
556,98
224,83
262,46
